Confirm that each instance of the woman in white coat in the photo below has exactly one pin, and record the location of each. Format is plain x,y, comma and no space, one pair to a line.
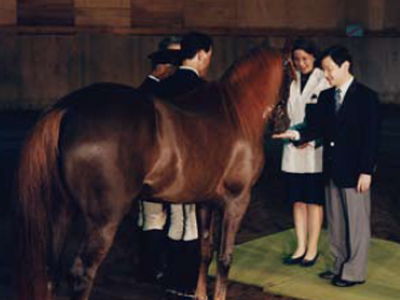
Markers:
302,166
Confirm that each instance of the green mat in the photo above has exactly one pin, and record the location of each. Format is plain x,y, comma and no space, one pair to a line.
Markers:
259,263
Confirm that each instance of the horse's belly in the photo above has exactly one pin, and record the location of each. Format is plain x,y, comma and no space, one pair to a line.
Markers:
170,182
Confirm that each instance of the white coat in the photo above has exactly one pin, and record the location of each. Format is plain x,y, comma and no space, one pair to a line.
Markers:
308,159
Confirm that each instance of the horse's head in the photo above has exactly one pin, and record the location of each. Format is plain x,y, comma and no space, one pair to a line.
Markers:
279,120
257,86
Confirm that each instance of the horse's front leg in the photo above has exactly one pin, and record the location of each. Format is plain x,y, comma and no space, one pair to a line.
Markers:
233,213
206,216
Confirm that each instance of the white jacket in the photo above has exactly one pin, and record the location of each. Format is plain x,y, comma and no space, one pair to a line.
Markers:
308,159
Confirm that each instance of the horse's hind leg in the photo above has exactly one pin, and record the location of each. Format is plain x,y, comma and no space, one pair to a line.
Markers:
60,227
232,216
90,256
206,226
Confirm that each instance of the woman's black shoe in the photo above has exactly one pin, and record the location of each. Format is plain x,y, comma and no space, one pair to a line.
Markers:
293,261
309,263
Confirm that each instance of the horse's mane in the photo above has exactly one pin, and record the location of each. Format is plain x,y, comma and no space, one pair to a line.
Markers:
252,86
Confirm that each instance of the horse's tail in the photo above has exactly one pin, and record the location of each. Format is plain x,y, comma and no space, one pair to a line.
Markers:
37,180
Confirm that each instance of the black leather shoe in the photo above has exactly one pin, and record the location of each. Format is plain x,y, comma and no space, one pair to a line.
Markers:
293,261
345,283
309,263
327,275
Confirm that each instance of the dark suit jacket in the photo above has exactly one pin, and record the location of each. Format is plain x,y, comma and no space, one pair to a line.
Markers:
180,83
149,86
350,136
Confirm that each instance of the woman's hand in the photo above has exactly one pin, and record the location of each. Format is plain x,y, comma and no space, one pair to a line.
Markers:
288,134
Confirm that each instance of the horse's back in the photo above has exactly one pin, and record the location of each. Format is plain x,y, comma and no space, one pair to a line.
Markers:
103,133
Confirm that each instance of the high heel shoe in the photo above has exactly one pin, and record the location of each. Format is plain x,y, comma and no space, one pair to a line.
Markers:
309,263
289,260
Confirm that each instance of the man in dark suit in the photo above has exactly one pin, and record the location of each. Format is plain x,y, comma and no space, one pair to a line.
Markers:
163,64
153,216
348,122
183,259
196,51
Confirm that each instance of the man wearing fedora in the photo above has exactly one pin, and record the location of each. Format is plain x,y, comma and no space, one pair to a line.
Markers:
153,216
183,259
164,62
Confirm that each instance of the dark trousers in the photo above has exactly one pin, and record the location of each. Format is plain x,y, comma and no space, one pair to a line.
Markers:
152,255
183,262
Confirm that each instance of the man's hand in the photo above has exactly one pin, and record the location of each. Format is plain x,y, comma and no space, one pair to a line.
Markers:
364,183
288,134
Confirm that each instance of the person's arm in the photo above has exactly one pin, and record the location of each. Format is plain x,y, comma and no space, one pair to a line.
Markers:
313,128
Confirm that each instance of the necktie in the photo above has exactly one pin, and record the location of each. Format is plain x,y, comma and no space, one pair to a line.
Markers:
338,99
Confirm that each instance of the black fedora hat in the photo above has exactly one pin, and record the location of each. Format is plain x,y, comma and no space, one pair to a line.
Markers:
166,56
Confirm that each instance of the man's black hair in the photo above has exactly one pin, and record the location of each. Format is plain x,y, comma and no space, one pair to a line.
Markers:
339,55
194,42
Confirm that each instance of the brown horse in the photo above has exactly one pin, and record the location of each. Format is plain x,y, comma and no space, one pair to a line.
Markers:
96,150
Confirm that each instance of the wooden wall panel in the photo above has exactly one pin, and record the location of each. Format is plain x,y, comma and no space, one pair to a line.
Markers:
117,17
311,14
376,14
305,14
115,58
103,13
49,68
10,74
392,13
46,12
204,13
354,12
8,12
156,13
38,70
217,16
259,13
103,3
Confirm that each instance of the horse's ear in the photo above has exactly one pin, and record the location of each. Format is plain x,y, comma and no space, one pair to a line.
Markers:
287,58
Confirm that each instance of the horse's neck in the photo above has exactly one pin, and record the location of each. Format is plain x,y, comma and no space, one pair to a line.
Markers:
247,106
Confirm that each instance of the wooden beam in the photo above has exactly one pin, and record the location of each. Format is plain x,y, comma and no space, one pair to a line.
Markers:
158,13
45,12
103,13
288,14
215,31
8,12
205,13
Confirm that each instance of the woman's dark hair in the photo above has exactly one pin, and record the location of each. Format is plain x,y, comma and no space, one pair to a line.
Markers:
306,45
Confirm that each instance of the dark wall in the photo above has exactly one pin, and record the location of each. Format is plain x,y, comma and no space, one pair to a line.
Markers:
35,70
